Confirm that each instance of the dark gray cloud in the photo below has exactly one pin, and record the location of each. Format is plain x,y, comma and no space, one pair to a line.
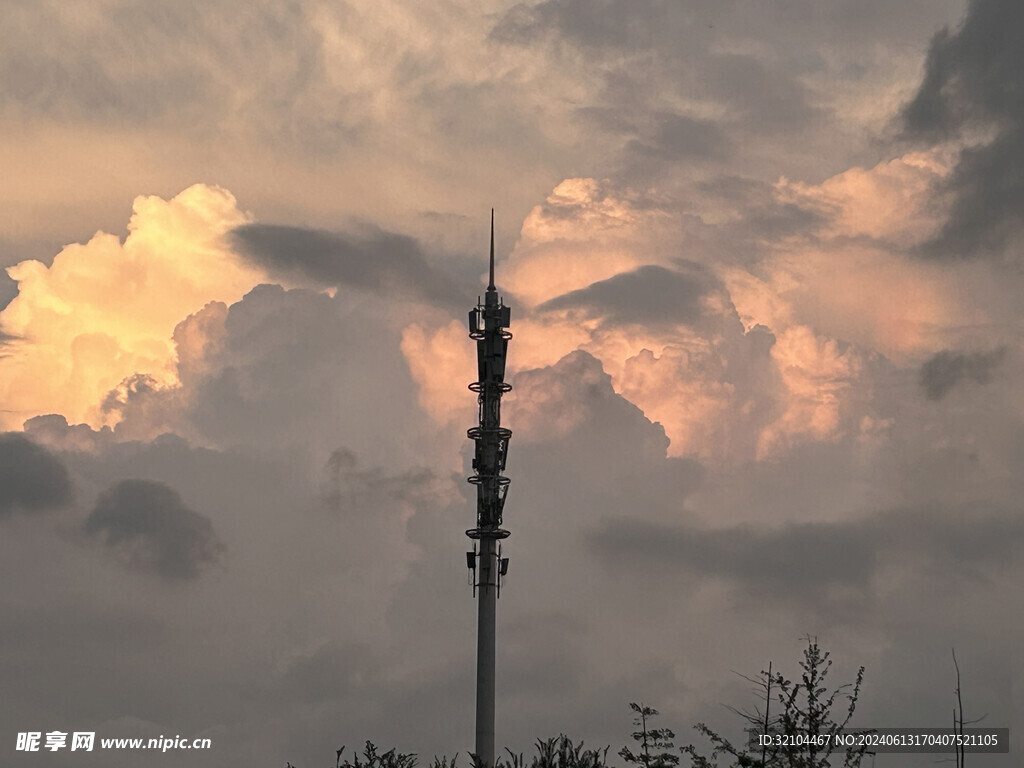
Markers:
946,369
31,478
571,409
818,561
373,260
355,491
649,294
292,369
672,136
761,218
974,78
149,527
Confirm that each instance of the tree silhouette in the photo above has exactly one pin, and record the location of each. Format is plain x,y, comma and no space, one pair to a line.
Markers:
804,729
650,739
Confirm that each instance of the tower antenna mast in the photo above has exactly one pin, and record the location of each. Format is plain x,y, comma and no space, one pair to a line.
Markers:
488,327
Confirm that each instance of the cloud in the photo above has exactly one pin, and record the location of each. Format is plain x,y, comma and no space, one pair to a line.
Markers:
31,478
742,86
362,493
822,560
152,63
438,361
380,261
670,330
826,384
971,73
679,137
105,310
330,673
650,295
146,525
303,369
947,369
569,412
973,91
696,345
893,202
849,275
604,266
585,231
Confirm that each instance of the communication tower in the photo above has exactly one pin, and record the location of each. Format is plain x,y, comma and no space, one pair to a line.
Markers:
488,327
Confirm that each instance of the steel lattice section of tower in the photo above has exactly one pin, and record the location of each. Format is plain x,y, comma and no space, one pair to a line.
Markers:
488,327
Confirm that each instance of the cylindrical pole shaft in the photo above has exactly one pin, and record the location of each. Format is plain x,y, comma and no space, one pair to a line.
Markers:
488,594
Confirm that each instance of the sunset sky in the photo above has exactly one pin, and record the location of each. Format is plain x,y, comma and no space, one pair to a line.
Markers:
764,264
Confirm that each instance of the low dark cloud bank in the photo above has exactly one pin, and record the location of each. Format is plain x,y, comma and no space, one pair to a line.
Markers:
804,561
146,524
31,478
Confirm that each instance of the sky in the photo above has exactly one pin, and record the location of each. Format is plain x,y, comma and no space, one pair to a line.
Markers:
764,264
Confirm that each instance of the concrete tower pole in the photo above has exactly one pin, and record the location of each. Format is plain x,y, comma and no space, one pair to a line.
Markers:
485,651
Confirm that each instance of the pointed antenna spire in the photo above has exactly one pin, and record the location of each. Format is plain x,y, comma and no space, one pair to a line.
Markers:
490,285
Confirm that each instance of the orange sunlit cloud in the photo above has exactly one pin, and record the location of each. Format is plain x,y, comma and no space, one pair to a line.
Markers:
831,301
853,282
891,201
581,234
106,310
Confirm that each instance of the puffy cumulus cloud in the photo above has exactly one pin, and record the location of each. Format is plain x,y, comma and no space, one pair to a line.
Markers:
709,395
589,274
585,231
253,391
31,477
612,447
860,294
729,363
105,310
147,526
438,362
676,334
850,276
895,201
827,392
442,360
287,370
713,399
672,343
544,406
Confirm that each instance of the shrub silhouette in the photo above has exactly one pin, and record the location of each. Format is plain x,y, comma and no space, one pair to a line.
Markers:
802,708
